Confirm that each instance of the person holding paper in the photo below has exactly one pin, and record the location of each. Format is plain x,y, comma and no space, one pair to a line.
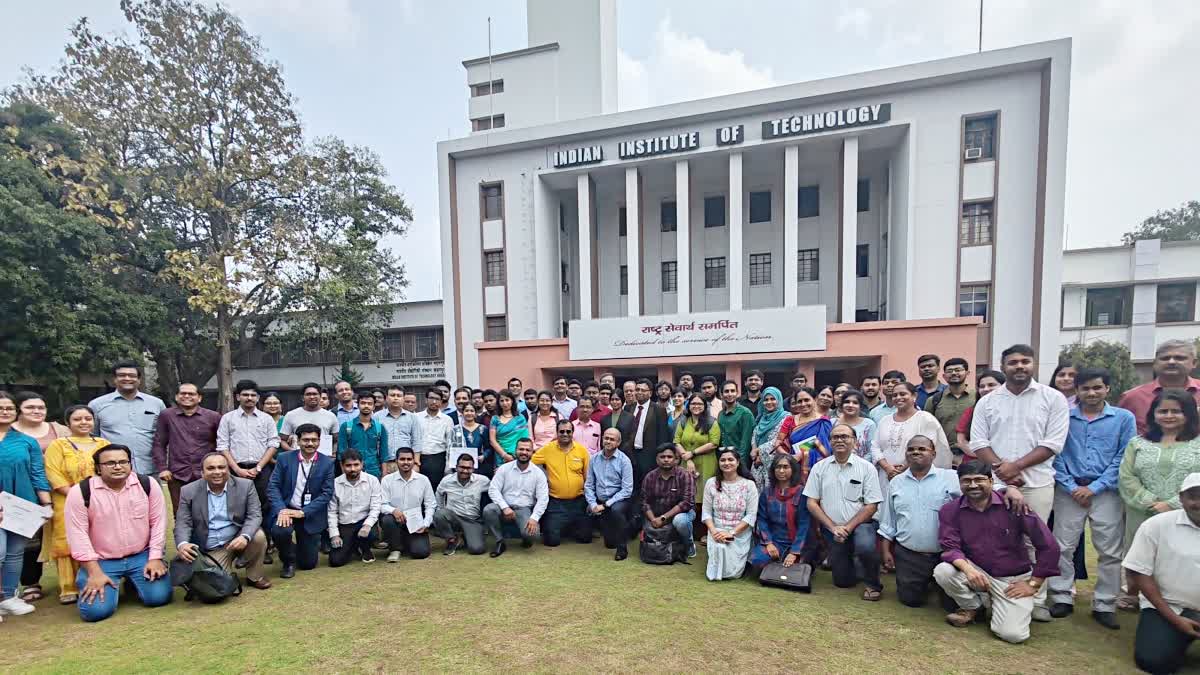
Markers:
459,506
408,506
804,433
117,532
23,475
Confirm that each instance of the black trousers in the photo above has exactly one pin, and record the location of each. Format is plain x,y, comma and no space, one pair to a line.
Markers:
352,544
400,539
613,523
914,576
1158,647
569,517
31,569
433,467
296,546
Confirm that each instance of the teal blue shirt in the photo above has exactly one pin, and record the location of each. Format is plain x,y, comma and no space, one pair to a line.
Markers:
370,442
21,470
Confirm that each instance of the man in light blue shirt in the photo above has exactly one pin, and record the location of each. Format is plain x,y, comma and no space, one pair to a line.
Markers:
607,489
401,426
220,528
128,416
1085,489
347,406
910,528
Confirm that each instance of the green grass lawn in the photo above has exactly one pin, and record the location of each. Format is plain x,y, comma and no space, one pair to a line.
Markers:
569,609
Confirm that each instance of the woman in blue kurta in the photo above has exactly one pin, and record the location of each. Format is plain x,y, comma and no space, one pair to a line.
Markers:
23,475
782,526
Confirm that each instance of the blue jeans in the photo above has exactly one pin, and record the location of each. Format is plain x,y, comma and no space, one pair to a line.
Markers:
152,593
682,522
12,558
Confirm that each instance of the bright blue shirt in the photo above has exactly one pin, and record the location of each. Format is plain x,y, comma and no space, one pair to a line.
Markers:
21,470
912,519
1094,449
923,395
221,529
370,442
608,480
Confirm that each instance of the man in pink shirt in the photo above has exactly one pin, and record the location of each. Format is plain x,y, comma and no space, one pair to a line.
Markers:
117,532
587,430
1174,360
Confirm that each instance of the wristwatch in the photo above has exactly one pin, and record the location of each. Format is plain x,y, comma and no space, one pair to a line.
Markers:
1035,584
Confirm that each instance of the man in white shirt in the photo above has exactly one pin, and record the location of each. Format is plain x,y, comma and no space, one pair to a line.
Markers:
564,404
353,511
520,494
1019,429
1162,564
459,504
437,433
406,495
310,412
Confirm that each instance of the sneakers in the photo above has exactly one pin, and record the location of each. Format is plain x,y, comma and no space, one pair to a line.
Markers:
692,550
961,618
394,556
1061,610
368,557
451,547
1042,615
15,607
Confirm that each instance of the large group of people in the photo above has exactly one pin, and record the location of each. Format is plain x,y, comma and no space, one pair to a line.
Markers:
979,497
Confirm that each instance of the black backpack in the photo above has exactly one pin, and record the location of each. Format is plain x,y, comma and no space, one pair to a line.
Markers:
85,489
204,579
661,546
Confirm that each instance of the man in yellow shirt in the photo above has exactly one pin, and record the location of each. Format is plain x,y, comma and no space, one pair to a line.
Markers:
566,465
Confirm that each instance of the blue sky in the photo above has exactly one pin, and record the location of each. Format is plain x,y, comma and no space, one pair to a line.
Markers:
388,75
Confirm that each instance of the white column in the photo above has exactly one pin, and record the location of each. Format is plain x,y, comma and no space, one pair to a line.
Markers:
683,251
583,192
791,223
633,239
736,270
849,237
548,272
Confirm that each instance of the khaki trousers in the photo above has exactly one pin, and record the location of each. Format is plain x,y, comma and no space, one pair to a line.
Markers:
252,554
1010,618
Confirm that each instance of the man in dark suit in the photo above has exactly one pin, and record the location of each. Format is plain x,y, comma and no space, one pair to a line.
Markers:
643,426
300,489
220,515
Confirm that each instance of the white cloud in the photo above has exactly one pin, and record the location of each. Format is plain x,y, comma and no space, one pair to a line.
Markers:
333,21
683,67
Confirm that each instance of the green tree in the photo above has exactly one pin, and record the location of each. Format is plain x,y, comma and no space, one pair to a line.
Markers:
67,311
1178,224
1111,356
219,201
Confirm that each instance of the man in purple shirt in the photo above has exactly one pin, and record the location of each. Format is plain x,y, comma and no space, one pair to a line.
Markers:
183,435
984,554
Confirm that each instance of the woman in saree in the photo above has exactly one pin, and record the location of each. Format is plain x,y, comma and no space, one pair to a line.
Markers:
804,434
506,428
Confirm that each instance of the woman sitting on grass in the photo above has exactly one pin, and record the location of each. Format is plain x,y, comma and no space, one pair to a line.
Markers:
729,513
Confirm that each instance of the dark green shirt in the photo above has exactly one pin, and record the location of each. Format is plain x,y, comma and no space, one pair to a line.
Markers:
737,429
949,409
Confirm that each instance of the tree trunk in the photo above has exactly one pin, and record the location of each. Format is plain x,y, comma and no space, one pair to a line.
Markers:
168,375
224,361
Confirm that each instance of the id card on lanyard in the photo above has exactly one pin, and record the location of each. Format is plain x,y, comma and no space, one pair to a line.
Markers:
306,496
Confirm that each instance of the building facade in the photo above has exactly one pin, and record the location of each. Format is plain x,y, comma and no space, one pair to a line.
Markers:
1137,295
834,227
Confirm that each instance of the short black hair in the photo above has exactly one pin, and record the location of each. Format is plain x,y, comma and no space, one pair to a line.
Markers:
686,373
366,396
752,373
708,378
591,383
395,387
463,388
869,377
531,391
557,378
465,457
895,375
1085,374
726,383
956,361
929,357
515,379
244,385
112,446
435,391
127,363
405,451
665,447
351,455
644,380
307,428
974,467
562,421
525,440
442,383
310,385
606,387
575,382
1022,349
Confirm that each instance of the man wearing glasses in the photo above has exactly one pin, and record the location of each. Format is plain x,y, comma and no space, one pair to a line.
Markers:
128,416
111,541
184,434
949,404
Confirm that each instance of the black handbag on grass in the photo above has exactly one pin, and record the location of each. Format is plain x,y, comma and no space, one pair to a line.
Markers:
798,577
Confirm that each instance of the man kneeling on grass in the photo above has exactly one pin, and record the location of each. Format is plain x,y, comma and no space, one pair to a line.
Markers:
519,493
984,555
353,510
460,496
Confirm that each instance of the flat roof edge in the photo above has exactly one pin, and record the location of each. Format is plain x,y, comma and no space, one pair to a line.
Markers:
548,47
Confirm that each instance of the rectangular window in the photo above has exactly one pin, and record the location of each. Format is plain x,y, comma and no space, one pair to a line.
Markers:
666,216
485,123
1108,306
493,262
425,345
864,194
493,201
862,260
714,211
976,226
622,224
393,346
810,201
624,279
714,272
760,269
668,277
1176,302
485,88
979,137
760,207
809,266
497,329
973,301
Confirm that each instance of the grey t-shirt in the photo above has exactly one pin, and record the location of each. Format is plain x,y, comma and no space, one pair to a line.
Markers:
321,417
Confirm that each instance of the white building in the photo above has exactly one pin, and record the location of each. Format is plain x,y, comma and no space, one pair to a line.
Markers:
836,227
1138,296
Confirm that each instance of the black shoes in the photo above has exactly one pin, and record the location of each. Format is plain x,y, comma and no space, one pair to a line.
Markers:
451,547
1061,610
1107,619
501,547
288,572
621,554
527,543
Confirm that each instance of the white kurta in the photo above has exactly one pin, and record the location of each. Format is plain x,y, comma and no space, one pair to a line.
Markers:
736,502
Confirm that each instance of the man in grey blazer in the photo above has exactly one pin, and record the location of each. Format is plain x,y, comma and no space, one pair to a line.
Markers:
220,515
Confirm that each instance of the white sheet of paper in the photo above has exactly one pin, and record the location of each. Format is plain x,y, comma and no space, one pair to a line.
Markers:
22,517
414,519
453,454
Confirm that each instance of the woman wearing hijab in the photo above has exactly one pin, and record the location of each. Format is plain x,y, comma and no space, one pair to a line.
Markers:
771,414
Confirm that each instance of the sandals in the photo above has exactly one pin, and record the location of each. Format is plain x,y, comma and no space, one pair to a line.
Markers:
872,595
68,599
32,593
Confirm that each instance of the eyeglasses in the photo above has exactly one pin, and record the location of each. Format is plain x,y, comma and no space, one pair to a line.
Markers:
115,463
975,481
8,408
841,437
